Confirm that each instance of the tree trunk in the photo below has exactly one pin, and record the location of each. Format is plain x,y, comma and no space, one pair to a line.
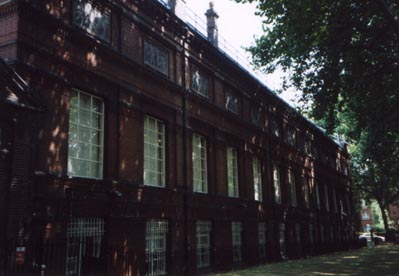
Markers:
384,217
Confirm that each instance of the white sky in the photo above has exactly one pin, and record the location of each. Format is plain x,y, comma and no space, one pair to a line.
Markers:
238,25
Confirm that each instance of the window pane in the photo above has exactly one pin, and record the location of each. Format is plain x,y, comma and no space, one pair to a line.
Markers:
156,57
200,177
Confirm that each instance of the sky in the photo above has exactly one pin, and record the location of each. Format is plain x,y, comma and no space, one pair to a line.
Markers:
238,25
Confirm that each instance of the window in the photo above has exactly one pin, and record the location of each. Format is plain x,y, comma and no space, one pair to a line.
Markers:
275,128
311,234
155,247
291,181
307,146
156,57
262,239
154,152
322,237
335,201
199,82
236,229
298,233
276,182
291,136
282,239
306,191
231,102
90,18
203,244
85,136
327,204
257,174
317,194
232,172
84,239
200,171
256,117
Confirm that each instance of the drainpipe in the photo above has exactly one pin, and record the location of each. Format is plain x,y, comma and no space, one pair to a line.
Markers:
184,150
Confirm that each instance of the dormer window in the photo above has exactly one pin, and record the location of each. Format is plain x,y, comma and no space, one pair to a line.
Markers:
199,82
92,19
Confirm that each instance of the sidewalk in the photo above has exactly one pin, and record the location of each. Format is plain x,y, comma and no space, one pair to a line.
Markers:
379,261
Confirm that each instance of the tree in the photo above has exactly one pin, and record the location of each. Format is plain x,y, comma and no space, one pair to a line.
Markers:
344,56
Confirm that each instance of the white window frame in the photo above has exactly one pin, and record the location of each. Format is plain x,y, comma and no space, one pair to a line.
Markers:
86,134
232,172
257,178
200,164
277,184
156,57
292,184
156,247
236,232
203,246
154,152
262,239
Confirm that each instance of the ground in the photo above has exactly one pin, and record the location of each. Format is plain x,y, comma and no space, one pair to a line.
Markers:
379,261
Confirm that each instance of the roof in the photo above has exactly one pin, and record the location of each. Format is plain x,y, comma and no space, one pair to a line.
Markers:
14,90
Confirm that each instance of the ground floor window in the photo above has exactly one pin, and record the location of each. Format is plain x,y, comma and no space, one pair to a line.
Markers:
155,249
84,238
282,239
236,229
262,239
203,230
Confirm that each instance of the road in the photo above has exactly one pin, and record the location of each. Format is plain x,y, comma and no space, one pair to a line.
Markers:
379,261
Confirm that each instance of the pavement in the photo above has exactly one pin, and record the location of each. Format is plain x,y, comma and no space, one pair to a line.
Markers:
382,260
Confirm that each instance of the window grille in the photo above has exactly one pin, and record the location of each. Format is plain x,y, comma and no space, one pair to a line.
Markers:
262,239
156,57
155,250
236,228
91,18
257,176
203,244
231,102
84,238
232,172
200,170
291,181
199,82
154,152
85,136
276,182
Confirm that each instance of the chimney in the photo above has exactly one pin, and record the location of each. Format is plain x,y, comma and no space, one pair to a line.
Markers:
212,27
178,7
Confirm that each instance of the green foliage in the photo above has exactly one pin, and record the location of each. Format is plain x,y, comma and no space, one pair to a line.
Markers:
344,56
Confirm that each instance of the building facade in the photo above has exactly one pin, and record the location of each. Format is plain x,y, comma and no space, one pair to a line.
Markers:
157,154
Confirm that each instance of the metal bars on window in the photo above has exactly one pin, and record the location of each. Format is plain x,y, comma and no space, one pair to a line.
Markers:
236,229
84,238
155,249
200,165
203,248
154,152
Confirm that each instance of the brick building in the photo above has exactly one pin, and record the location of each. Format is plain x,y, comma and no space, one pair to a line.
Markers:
157,154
